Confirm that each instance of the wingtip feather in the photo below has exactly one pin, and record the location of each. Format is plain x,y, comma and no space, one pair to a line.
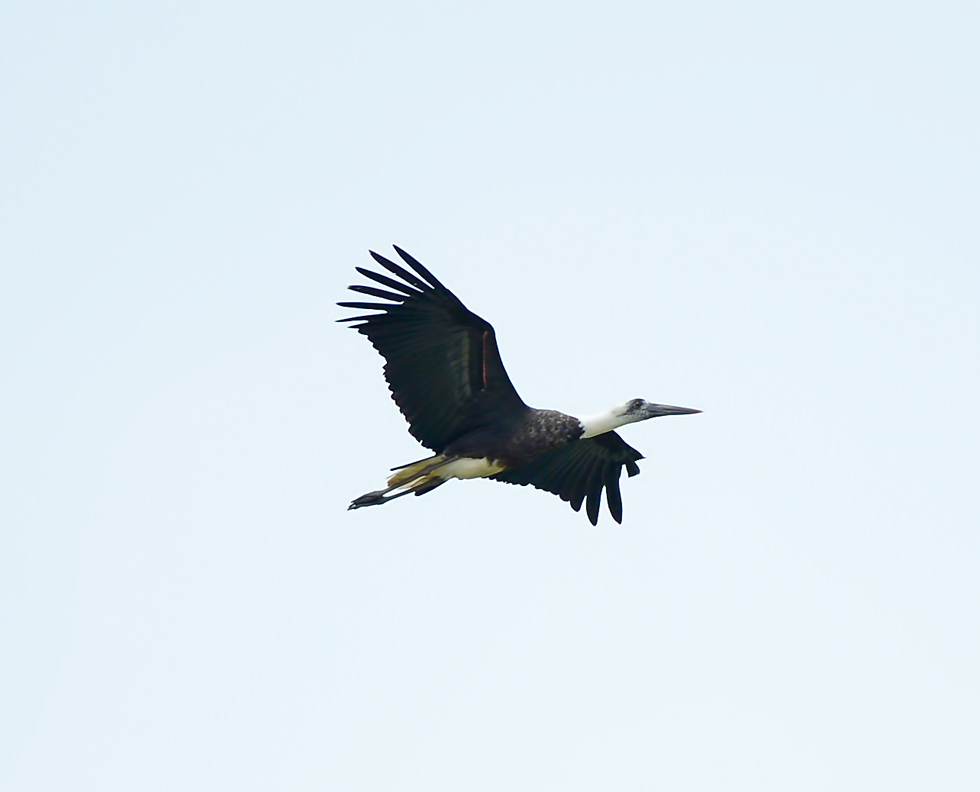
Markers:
416,265
401,272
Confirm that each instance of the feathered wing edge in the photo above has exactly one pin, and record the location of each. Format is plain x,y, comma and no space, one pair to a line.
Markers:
442,363
429,283
580,472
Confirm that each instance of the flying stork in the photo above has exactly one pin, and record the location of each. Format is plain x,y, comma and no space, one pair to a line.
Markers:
445,374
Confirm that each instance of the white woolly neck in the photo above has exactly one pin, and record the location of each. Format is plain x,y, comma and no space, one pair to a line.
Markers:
603,422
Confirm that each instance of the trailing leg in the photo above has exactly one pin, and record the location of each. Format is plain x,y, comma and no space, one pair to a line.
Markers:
418,477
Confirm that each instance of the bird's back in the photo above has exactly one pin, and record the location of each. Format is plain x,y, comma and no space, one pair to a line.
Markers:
520,440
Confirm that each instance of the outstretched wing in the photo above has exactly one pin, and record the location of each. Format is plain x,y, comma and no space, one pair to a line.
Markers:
580,471
442,364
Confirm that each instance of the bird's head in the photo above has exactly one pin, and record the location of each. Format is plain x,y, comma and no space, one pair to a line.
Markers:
640,409
631,412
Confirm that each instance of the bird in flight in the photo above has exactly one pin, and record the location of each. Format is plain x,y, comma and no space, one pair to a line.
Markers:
445,374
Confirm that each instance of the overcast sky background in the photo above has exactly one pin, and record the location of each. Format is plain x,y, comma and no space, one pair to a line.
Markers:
767,211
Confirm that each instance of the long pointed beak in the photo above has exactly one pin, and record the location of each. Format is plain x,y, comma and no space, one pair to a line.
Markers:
656,410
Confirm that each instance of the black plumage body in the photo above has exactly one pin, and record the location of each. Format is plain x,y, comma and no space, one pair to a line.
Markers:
520,439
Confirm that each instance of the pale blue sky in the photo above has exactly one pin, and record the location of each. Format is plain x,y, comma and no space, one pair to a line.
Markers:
767,211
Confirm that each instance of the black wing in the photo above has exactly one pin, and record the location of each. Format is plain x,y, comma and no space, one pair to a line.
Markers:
443,367
580,471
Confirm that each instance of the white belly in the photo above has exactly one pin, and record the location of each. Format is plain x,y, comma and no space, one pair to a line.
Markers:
470,468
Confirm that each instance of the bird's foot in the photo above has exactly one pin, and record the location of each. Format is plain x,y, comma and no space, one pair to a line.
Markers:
370,499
